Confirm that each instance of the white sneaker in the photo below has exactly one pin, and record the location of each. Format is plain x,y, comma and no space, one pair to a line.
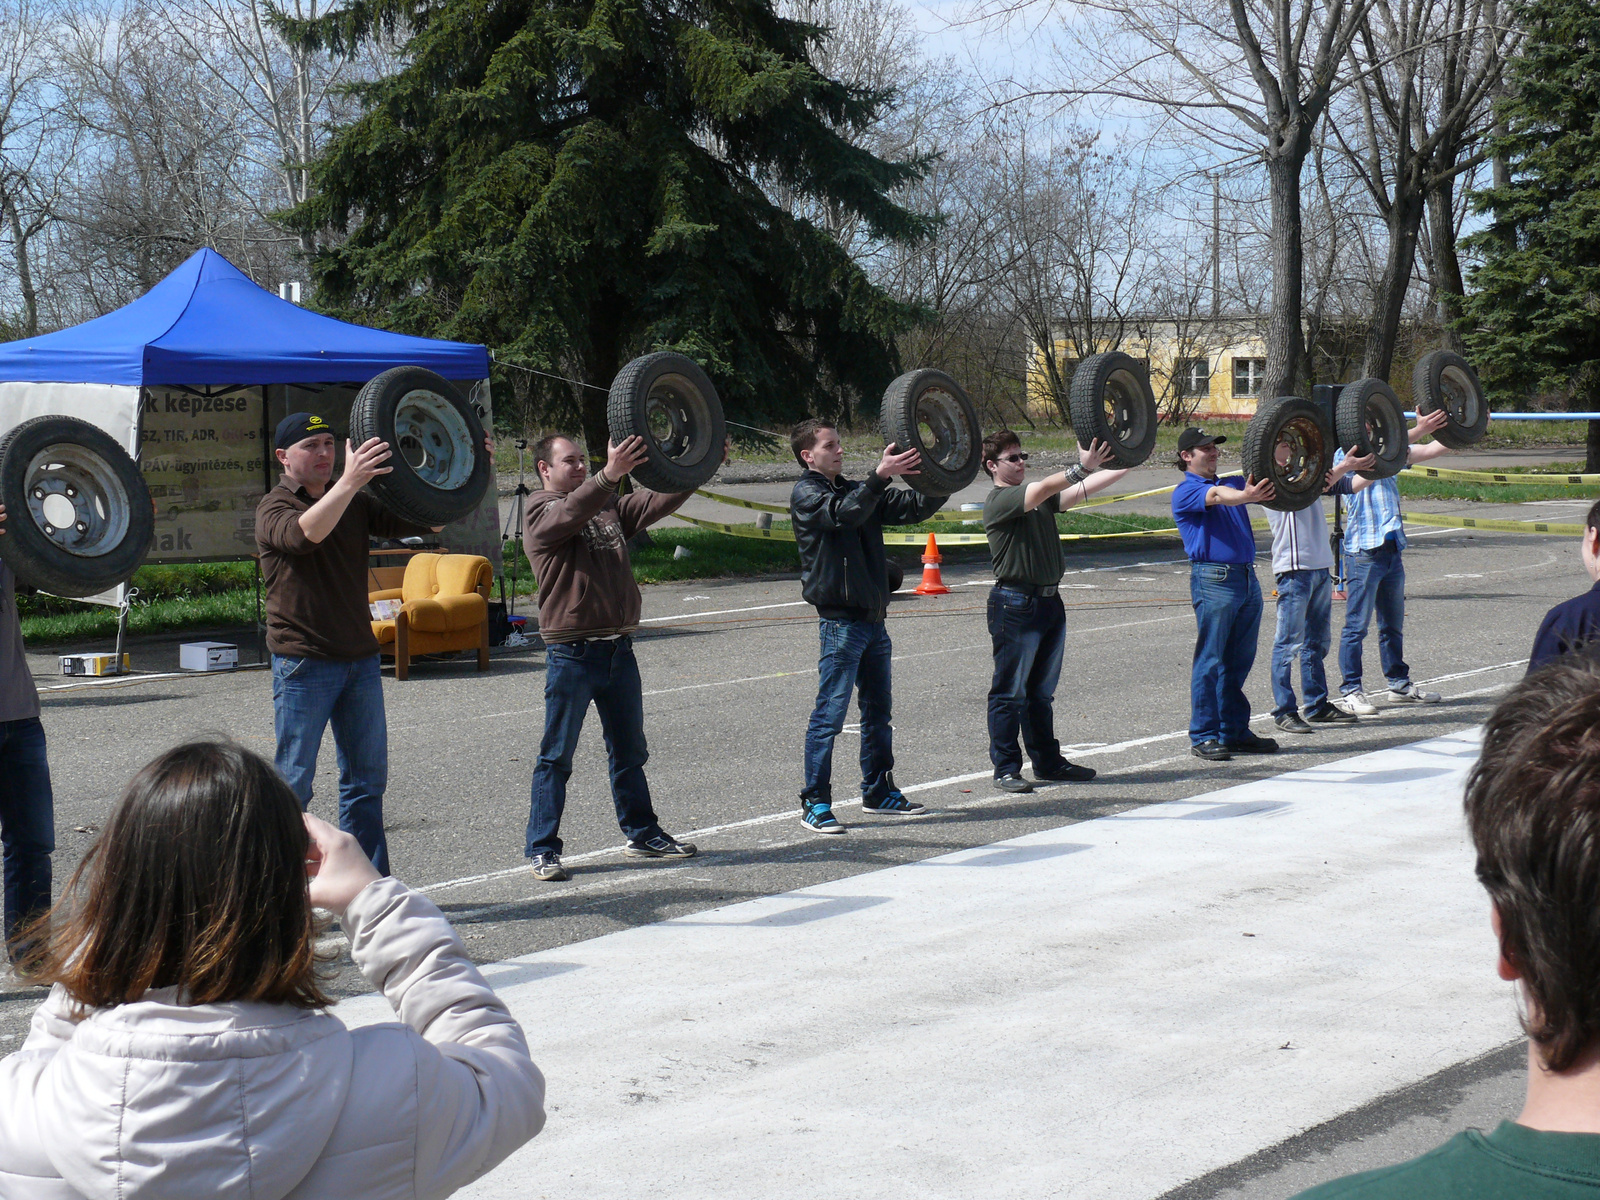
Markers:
1412,694
1356,704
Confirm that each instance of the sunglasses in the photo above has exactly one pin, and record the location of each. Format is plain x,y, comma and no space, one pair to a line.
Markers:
1013,458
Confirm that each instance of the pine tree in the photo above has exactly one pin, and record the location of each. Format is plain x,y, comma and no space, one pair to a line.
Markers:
573,183
1532,315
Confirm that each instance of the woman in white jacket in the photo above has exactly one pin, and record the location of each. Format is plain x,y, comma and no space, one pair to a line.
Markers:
185,1051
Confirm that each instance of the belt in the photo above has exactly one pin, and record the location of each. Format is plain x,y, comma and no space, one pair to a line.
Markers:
1037,590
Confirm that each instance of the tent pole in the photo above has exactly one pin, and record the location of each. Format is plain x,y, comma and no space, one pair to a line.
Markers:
122,628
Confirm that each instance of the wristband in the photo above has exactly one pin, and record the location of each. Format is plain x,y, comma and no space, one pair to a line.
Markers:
606,484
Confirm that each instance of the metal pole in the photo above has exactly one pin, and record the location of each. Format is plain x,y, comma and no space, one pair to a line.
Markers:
1216,244
1338,547
122,626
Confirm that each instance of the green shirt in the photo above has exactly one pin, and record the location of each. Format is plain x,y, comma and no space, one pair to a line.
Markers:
1512,1163
1025,546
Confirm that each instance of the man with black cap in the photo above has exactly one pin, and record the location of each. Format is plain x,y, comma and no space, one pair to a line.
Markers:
312,531
1211,516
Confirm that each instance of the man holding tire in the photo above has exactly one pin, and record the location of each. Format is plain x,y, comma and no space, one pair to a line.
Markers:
1027,621
1210,514
312,532
838,526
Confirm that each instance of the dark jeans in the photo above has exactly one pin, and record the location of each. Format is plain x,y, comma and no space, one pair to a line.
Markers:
27,823
576,673
1305,610
855,657
309,694
1227,609
1375,581
1028,634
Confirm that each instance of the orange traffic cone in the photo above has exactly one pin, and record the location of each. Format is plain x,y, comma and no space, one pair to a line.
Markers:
932,583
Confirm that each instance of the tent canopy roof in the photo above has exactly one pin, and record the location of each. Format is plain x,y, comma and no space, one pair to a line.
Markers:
206,323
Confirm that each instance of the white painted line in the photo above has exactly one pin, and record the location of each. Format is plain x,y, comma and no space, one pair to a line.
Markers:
722,612
127,680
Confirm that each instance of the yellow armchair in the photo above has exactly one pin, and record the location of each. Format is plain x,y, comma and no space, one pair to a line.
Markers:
444,606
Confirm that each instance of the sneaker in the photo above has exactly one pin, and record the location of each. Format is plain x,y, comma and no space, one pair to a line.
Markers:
1214,750
1251,744
1012,782
1290,722
1412,694
1356,704
547,866
659,846
819,818
1329,714
1066,773
895,805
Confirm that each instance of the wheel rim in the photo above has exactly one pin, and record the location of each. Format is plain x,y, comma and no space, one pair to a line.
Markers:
1462,400
1302,469
678,419
76,500
1381,436
1125,411
434,439
941,428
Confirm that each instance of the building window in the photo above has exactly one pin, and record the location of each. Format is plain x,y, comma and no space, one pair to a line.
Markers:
1248,374
1194,376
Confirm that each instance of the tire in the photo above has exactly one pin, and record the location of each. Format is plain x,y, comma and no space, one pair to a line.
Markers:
1298,423
51,466
1447,381
666,399
1368,416
1110,400
929,411
897,575
441,469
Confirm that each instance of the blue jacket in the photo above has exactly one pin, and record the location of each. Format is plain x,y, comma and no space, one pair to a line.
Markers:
1570,626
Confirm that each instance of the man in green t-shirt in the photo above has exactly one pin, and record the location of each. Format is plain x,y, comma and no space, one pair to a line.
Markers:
1533,808
1027,622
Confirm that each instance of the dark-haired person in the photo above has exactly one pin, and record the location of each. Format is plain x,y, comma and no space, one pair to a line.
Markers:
186,1048
1027,621
1573,624
1533,804
576,532
838,526
1210,514
312,533
27,804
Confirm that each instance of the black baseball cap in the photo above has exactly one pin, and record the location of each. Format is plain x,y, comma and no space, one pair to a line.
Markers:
1192,439
297,427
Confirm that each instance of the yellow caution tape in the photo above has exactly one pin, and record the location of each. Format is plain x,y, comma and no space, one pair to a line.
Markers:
910,539
1556,527
755,504
948,514
1496,477
743,529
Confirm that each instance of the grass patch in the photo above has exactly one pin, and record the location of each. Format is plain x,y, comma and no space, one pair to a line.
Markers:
712,555
1415,488
88,622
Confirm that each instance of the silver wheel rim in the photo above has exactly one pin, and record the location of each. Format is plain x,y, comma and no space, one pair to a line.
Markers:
76,500
1460,397
1125,413
1303,470
941,428
434,439
678,420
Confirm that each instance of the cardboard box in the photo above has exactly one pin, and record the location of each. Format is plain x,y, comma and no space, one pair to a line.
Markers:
92,664
208,656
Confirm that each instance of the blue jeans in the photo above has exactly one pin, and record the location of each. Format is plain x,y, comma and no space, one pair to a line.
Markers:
27,824
1375,581
1028,634
307,695
855,657
575,674
1305,611
1227,609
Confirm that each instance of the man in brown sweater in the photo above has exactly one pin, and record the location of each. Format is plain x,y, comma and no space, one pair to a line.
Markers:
312,534
576,533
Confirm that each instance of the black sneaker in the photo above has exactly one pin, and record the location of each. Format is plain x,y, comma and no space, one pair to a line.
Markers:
659,846
1012,782
1214,750
1290,722
1066,773
817,816
895,805
547,866
1327,714
1251,744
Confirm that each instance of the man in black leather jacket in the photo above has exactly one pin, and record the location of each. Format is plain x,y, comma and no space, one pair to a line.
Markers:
839,528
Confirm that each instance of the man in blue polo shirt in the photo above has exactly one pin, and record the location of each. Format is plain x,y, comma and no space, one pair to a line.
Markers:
1210,514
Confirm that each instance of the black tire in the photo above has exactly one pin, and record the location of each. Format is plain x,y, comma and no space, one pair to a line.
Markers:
1447,381
441,469
1301,425
50,463
930,412
1110,400
1368,416
666,399
897,575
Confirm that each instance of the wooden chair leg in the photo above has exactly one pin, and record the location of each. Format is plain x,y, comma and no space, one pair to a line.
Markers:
402,647
483,645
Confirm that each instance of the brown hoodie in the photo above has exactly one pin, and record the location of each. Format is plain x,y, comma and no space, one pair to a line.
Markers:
578,545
